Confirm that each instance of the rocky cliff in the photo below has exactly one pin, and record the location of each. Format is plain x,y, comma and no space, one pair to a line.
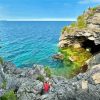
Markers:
83,33
80,41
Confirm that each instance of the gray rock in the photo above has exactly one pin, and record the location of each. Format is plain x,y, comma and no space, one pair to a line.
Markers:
49,97
83,95
8,67
26,96
28,88
12,83
95,60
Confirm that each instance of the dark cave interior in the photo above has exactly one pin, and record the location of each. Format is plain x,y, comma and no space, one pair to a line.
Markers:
91,45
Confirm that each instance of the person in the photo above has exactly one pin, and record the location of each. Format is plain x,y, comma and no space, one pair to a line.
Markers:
46,87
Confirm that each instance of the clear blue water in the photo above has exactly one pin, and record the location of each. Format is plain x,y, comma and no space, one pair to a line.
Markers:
27,43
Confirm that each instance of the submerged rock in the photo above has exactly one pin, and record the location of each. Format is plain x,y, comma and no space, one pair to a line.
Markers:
58,56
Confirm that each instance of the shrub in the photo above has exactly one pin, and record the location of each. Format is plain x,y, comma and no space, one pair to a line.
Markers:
40,78
73,24
92,14
4,84
48,71
94,8
9,96
1,60
81,22
64,29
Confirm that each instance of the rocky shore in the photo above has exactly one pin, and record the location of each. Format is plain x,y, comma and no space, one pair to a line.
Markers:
80,41
24,83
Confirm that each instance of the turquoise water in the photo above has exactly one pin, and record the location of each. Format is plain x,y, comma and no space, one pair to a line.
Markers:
27,43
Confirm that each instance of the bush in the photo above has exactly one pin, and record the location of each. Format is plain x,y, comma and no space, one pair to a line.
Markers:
92,14
40,78
48,71
93,9
64,29
81,23
9,96
4,84
1,61
73,24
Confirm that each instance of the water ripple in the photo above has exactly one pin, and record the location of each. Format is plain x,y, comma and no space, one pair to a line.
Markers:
26,43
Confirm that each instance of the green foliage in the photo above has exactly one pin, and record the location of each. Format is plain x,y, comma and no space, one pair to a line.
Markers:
73,24
79,54
40,78
9,96
48,71
92,14
4,84
81,22
68,29
1,60
64,29
93,9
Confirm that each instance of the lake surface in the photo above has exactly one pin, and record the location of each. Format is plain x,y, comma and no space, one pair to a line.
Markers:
27,43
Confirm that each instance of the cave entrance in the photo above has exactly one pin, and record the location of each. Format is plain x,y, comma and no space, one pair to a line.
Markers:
91,46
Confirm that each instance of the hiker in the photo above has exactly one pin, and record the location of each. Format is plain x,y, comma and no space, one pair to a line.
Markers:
46,87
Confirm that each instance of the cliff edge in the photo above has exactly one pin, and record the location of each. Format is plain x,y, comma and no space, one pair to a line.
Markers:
85,32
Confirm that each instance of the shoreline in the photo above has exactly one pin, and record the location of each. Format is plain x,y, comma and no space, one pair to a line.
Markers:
25,80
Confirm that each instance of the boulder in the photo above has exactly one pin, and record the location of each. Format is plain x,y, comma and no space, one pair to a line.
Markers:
95,60
96,77
84,84
58,56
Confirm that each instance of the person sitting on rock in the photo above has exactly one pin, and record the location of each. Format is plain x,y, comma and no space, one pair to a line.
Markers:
46,87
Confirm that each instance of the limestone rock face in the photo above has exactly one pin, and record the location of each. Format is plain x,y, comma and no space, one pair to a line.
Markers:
94,61
91,32
84,84
96,78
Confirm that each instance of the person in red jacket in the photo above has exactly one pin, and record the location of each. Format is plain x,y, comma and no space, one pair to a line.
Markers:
46,87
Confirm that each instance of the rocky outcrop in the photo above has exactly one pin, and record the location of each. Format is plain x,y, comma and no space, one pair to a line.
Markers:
95,60
58,56
26,86
23,81
79,35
